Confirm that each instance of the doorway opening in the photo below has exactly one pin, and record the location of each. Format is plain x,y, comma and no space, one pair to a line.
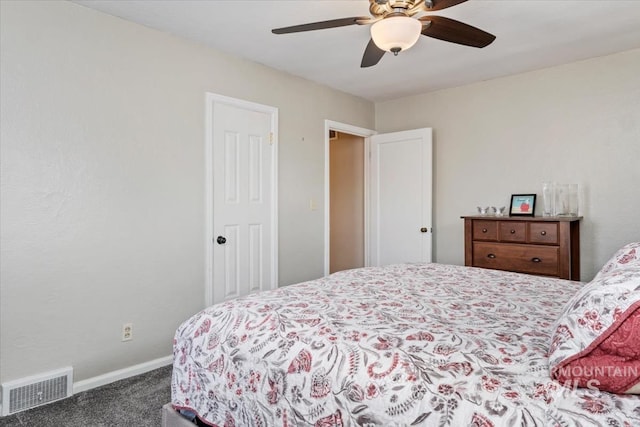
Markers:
397,181
346,202
346,196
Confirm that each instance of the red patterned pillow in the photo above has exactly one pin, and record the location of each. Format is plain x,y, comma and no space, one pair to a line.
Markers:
596,340
611,363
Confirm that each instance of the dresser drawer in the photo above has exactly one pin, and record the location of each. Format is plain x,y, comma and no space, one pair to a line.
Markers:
531,259
485,230
543,233
512,231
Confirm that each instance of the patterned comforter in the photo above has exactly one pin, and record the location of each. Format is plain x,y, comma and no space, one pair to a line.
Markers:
407,344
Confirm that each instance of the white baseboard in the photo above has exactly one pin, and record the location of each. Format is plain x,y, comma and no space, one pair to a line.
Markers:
121,374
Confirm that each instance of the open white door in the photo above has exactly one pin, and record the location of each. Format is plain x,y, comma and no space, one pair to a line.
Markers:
401,197
242,238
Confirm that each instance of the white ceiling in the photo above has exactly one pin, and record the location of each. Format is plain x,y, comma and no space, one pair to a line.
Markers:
531,34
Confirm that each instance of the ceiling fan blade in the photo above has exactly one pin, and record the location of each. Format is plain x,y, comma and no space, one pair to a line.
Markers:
442,4
333,23
372,55
453,31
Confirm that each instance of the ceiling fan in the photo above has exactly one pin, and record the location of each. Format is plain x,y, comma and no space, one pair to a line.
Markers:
395,27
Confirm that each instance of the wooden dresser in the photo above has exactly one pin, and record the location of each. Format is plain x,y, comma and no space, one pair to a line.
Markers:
547,246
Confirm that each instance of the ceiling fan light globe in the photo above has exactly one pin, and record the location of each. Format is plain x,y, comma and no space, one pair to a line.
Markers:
396,33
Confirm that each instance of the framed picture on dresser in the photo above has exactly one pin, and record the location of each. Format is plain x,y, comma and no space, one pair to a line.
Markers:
522,205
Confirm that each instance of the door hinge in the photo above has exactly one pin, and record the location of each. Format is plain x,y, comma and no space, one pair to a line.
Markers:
270,138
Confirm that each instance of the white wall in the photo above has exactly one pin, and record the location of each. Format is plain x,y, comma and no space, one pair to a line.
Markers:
102,182
577,123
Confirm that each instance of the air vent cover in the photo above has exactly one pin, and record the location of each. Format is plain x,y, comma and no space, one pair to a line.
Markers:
36,390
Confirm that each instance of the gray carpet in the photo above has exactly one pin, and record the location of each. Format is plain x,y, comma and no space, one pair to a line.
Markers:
135,401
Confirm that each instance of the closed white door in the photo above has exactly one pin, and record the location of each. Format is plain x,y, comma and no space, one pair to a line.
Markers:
401,195
243,237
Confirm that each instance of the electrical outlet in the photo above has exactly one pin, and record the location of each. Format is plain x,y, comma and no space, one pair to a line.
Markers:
127,332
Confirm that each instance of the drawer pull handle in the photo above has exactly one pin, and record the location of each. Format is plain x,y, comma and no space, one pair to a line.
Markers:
536,259
513,232
492,256
544,233
484,230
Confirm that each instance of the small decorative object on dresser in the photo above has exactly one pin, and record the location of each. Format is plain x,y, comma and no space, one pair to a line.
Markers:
522,204
546,246
483,211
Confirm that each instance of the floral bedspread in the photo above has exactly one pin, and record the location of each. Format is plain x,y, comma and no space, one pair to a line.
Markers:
402,345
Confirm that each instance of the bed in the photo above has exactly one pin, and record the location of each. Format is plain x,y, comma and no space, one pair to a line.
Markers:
418,344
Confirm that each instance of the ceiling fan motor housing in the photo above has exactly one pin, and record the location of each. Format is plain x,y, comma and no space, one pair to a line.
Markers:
382,8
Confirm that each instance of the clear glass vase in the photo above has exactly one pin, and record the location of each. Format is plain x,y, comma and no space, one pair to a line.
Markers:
548,198
566,200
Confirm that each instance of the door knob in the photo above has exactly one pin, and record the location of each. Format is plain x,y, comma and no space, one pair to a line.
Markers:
221,240
424,230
